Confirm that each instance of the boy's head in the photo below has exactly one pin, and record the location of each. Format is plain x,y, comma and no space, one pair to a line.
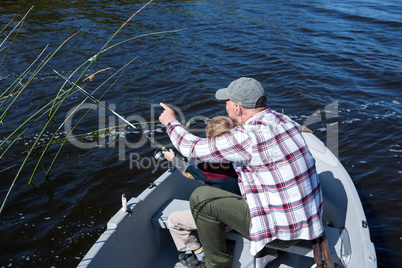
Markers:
219,125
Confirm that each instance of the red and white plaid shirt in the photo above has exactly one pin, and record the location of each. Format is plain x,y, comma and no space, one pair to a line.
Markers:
277,175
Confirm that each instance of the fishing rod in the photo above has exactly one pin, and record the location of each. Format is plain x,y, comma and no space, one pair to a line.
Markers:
91,97
95,100
158,153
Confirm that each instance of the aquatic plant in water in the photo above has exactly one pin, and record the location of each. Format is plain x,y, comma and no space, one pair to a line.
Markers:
45,116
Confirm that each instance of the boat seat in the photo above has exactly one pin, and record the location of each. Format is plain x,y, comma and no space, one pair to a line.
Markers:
160,219
330,242
241,250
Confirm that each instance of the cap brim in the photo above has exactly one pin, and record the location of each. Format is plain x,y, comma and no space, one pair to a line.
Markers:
222,94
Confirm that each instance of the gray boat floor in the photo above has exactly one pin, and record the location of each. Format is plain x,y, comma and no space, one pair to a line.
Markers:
169,258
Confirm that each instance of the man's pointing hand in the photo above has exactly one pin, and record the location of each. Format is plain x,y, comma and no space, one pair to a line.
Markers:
167,115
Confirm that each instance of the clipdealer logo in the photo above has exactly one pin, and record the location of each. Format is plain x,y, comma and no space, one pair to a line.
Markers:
146,133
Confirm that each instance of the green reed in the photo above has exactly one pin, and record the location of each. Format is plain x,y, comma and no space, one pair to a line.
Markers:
45,116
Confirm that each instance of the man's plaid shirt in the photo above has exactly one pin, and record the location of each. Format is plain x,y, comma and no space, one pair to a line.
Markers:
277,175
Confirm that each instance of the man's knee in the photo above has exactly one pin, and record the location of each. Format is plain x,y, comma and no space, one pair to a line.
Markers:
197,200
198,195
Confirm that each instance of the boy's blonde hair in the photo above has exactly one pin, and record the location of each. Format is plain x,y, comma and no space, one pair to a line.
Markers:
219,125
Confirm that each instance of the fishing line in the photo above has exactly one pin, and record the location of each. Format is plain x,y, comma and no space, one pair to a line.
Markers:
90,96
158,152
95,100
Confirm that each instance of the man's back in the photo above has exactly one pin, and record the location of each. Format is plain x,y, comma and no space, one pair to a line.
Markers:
280,182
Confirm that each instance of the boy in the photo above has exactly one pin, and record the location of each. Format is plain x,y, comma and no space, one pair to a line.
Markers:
181,224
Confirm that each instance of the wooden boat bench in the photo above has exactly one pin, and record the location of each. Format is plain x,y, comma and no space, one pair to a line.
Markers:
241,248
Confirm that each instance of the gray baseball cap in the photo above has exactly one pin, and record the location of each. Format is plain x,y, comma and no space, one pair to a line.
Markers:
244,91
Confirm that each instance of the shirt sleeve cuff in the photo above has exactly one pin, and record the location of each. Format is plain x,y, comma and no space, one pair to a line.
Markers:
171,125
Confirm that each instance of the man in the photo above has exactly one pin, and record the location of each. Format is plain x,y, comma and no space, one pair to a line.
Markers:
282,199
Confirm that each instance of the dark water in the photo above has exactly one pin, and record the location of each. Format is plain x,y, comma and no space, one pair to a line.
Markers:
340,58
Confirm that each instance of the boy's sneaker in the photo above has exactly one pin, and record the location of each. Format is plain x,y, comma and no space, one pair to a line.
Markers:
189,260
